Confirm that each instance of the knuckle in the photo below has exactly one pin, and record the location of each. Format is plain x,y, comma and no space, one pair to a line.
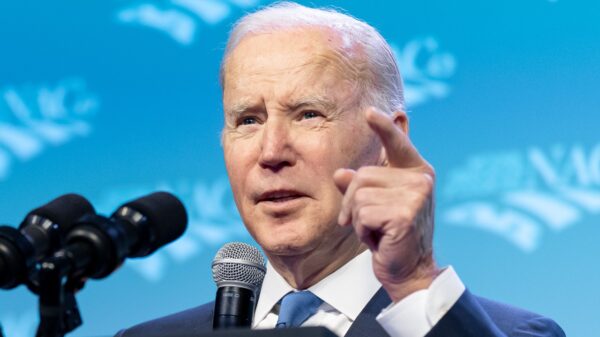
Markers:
406,216
427,182
361,196
361,177
362,170
430,171
367,171
424,182
363,215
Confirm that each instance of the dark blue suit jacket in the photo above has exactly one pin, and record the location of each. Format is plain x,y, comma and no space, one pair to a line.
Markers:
471,316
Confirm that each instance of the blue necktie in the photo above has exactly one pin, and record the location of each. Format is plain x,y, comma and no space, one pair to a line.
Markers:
297,307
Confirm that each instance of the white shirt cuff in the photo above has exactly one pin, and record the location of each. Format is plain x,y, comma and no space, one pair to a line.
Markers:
416,314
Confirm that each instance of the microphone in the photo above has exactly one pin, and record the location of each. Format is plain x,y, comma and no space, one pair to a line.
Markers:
238,270
41,233
96,246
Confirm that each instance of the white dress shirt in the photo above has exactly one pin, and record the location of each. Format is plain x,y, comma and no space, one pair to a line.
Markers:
347,291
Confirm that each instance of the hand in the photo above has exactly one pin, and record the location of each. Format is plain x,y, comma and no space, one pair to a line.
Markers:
391,209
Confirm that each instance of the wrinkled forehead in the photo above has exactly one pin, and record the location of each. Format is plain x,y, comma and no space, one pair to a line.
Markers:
308,51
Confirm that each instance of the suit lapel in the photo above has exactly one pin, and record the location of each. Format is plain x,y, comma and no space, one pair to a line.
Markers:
365,324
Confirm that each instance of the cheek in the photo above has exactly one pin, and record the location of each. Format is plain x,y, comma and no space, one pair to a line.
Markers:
362,148
236,163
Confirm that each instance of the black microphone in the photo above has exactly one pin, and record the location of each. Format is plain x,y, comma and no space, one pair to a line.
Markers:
41,233
238,270
96,245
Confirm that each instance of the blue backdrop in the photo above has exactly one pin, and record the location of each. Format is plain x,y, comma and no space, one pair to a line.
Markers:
114,99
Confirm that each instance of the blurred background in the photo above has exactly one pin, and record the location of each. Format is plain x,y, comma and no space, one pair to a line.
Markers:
115,99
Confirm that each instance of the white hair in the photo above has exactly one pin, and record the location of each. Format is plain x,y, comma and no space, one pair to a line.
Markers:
381,81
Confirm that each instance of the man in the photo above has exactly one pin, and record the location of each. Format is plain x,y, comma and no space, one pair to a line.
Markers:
329,185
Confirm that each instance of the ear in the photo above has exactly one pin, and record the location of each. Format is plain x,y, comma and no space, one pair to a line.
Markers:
401,120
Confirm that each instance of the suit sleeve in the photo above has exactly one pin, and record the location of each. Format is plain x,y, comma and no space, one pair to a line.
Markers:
468,318
448,309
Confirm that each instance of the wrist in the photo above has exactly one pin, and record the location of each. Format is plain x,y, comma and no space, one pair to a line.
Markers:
419,280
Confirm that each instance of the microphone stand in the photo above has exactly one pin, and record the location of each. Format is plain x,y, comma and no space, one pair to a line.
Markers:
59,313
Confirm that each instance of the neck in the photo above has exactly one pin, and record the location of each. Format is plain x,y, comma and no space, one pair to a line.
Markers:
304,270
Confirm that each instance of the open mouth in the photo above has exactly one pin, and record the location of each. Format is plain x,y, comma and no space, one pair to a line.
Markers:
282,199
279,196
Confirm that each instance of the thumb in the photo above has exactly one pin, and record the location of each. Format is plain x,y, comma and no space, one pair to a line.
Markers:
342,178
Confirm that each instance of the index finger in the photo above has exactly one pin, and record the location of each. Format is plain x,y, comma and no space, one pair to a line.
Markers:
400,151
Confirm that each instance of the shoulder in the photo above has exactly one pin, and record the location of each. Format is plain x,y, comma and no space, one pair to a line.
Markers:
517,321
184,323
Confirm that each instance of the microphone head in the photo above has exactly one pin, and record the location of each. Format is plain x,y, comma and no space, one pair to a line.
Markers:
165,214
239,264
64,211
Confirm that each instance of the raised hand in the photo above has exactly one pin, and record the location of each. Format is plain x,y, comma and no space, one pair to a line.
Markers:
391,208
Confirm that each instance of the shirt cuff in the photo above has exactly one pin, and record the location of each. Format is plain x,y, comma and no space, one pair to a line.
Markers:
417,313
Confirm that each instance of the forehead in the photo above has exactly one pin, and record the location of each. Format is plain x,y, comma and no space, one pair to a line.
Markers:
301,57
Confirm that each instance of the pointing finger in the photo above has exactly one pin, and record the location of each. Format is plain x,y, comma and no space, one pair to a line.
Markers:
400,151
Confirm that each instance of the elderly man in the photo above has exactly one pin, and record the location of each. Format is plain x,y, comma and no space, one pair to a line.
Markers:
329,185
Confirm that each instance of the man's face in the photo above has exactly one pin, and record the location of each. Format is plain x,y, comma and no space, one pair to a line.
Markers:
292,117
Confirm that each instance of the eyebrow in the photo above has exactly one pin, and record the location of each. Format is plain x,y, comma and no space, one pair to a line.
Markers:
239,108
322,102
311,101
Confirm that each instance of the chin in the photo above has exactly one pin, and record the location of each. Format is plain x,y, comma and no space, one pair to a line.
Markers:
288,236
286,246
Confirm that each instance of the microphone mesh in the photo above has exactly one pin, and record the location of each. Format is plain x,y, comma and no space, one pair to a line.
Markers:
240,264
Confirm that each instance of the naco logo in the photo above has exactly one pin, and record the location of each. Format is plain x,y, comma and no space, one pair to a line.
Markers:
519,195
425,70
35,117
425,67
179,18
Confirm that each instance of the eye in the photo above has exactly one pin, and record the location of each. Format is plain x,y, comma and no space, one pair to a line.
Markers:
248,121
310,114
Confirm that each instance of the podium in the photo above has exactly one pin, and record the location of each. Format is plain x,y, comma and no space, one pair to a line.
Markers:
288,332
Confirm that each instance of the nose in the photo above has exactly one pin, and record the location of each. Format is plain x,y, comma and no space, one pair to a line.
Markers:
276,146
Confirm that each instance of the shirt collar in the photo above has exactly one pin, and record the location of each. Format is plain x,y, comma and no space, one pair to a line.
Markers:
273,288
351,287
355,278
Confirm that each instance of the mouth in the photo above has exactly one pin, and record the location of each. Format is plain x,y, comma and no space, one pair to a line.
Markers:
279,196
